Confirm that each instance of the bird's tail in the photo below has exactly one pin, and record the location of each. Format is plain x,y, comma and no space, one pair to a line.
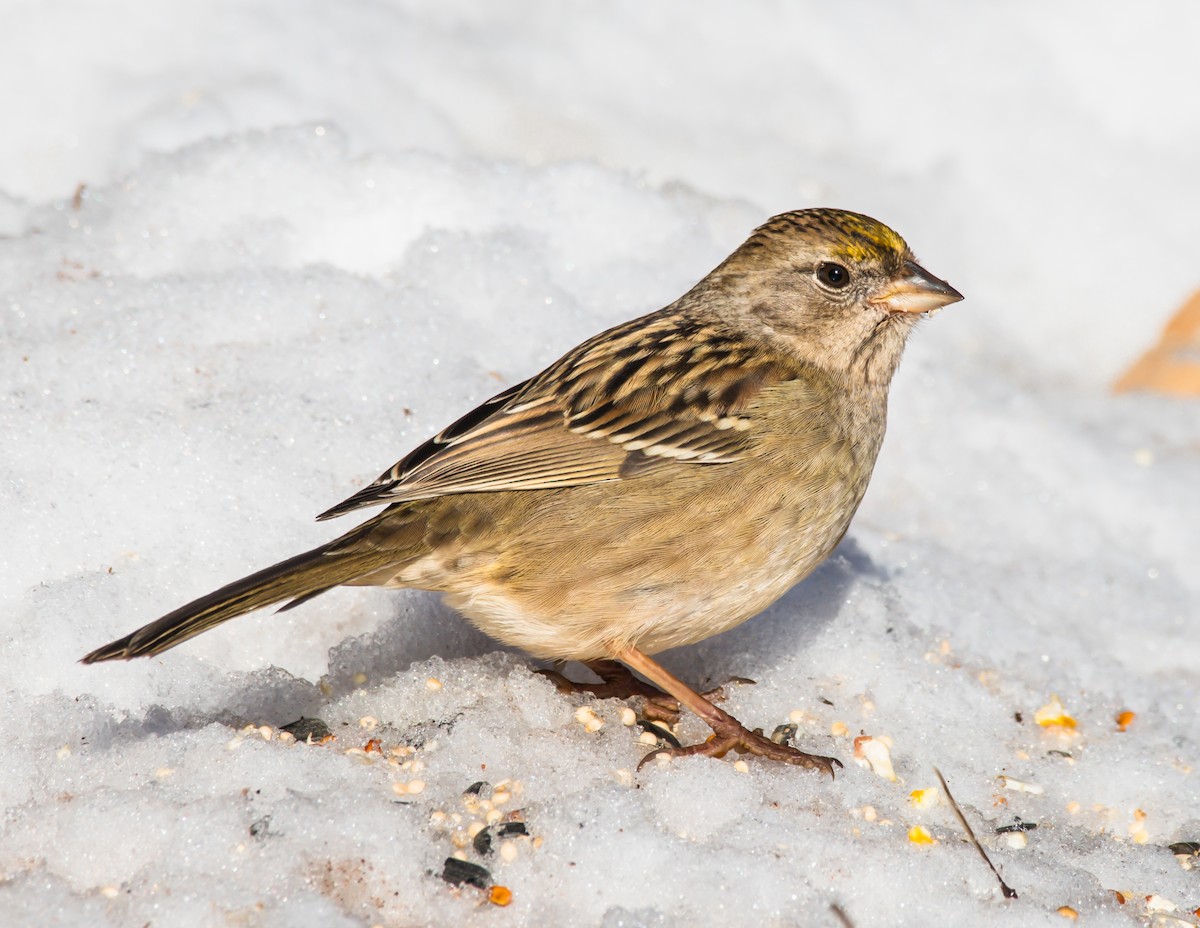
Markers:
297,579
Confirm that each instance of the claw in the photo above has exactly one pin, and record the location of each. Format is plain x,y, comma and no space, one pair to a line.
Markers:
733,736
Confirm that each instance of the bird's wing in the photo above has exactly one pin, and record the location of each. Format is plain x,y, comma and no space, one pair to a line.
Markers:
650,393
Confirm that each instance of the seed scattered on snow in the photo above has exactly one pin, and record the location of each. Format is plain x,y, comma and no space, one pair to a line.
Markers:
873,754
1067,912
411,788
163,772
475,828
500,797
360,678
1017,840
1053,715
508,851
1137,828
919,834
1125,719
741,766
924,798
110,892
310,731
433,684
648,738
500,895
1187,853
623,776
839,729
458,871
1020,786
63,752
628,717
1156,903
368,723
588,718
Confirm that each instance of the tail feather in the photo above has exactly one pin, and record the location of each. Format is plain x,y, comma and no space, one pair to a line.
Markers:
297,579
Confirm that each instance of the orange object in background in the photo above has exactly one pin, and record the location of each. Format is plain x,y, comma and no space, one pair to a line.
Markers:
1173,365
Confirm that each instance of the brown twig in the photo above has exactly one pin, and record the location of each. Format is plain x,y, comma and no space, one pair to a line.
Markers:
1009,892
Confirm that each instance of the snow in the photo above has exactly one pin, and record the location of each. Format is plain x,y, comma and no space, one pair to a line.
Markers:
305,242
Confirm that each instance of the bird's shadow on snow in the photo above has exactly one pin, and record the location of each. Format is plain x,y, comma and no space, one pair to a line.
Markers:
782,630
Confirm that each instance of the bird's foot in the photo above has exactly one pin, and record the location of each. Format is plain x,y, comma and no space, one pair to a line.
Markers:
618,683
731,735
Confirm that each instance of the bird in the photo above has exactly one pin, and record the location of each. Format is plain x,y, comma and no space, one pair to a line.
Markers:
661,483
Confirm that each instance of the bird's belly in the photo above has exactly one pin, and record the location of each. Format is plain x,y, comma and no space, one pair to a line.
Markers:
652,585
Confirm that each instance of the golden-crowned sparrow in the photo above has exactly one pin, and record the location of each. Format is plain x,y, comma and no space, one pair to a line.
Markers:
662,482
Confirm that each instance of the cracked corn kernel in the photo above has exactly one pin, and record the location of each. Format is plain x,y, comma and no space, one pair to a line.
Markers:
1053,715
500,895
1020,786
873,754
433,684
919,834
1067,912
924,798
1156,903
1125,719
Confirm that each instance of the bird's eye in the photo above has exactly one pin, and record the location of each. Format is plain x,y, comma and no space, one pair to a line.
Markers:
832,275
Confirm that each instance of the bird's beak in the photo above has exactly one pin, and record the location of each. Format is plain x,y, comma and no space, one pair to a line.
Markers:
914,291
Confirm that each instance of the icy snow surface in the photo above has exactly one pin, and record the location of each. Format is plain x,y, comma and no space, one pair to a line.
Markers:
312,234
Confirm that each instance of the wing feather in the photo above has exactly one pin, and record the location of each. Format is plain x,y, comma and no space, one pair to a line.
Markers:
659,391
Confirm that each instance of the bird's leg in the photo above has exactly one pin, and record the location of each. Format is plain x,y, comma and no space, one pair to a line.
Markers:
728,733
618,683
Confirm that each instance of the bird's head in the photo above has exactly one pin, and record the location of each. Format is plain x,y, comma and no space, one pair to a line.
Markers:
841,289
